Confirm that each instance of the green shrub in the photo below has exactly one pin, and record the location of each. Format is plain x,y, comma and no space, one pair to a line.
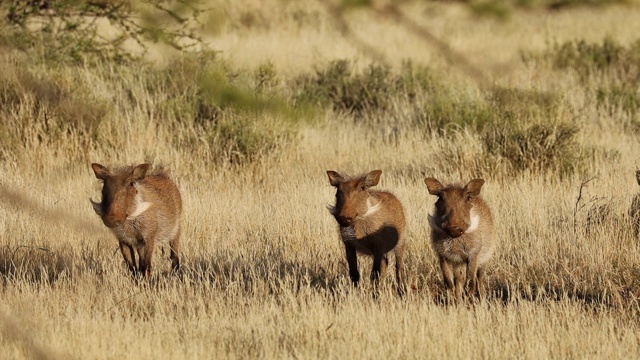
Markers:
589,59
537,148
372,90
442,112
526,105
625,97
265,78
613,68
238,113
244,138
445,108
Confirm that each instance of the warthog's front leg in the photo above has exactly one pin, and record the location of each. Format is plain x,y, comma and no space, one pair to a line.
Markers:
447,274
145,252
129,257
459,280
472,273
400,274
481,282
380,263
175,252
352,261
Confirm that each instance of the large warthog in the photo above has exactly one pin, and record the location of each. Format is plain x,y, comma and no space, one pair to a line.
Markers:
141,208
370,222
462,235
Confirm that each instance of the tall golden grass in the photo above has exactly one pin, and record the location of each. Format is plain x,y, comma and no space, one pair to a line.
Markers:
264,274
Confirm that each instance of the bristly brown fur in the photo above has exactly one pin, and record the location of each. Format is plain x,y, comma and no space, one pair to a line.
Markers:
157,170
462,235
370,222
141,206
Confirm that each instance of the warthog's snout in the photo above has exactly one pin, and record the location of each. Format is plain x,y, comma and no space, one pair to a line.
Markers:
111,221
455,231
344,220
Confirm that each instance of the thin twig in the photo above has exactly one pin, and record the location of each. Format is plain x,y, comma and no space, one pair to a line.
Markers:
123,300
575,209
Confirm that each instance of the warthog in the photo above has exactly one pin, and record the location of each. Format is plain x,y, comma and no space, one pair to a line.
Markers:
462,235
370,222
141,209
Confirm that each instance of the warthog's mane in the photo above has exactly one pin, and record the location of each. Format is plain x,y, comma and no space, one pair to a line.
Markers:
359,177
128,169
457,185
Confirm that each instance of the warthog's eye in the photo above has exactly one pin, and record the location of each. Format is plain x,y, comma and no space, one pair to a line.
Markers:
132,183
363,187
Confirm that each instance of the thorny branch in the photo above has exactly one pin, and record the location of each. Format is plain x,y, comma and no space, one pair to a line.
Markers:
73,26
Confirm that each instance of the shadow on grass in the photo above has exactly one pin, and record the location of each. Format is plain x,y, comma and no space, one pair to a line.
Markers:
604,297
32,264
259,271
272,272
269,272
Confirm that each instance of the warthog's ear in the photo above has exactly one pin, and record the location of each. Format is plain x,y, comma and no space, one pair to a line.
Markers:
638,176
140,171
372,178
101,172
334,178
434,186
473,187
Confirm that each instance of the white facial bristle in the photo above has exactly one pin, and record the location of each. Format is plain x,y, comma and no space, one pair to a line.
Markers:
475,221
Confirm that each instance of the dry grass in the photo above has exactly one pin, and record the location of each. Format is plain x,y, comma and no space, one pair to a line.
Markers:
264,271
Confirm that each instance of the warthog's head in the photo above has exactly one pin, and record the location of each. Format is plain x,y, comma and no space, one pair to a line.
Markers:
352,196
120,197
454,212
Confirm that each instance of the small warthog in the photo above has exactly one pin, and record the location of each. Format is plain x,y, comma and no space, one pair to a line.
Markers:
462,235
141,209
370,222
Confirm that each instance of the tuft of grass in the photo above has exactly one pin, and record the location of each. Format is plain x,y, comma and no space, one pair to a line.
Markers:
615,69
624,97
51,105
520,128
588,59
524,105
447,107
444,111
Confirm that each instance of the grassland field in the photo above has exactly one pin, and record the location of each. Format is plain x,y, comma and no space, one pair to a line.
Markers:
264,273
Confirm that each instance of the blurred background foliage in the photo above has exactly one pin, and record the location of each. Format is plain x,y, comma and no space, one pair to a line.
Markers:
242,115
